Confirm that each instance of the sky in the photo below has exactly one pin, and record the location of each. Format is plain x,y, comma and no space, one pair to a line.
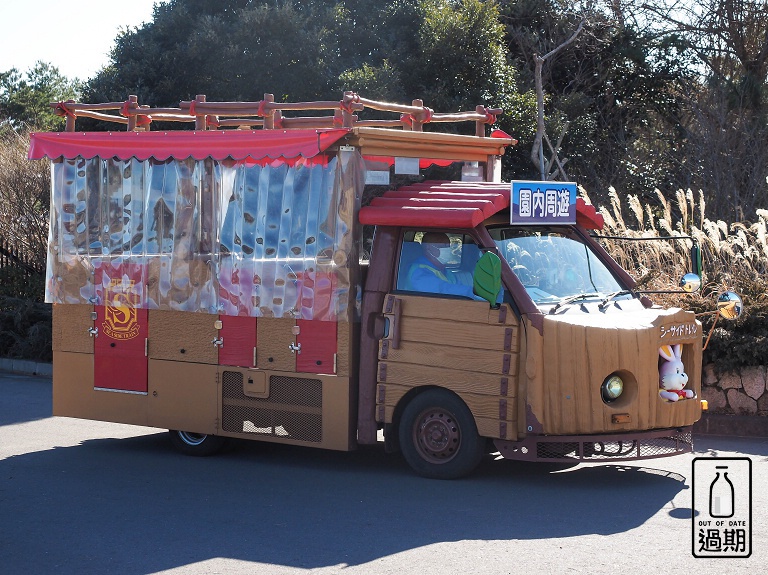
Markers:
73,36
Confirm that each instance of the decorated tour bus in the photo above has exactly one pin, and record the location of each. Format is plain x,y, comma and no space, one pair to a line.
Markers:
216,282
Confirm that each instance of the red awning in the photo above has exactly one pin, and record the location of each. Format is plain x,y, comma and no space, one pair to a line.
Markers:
216,144
435,204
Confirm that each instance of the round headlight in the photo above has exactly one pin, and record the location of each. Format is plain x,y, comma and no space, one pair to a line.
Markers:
612,388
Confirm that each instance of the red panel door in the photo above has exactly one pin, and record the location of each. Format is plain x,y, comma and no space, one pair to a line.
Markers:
120,360
238,335
318,346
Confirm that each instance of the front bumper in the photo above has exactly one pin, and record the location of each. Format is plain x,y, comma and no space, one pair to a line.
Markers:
614,447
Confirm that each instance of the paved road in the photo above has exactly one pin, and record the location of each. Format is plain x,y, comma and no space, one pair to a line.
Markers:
80,497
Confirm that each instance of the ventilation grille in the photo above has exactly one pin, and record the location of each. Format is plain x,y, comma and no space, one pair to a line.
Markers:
293,409
676,442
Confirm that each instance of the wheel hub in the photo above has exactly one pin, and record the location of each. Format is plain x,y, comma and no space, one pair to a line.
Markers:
437,436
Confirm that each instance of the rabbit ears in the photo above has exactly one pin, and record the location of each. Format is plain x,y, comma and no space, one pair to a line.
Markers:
671,352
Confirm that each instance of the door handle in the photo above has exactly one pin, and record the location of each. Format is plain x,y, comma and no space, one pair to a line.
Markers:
295,348
394,309
93,331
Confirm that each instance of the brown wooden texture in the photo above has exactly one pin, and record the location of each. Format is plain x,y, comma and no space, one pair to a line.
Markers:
343,339
182,336
70,328
458,345
75,396
183,396
566,368
274,336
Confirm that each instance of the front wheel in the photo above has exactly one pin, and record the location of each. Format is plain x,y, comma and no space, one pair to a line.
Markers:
198,444
438,436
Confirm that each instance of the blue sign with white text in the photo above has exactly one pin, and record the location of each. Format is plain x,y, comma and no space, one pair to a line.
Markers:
535,203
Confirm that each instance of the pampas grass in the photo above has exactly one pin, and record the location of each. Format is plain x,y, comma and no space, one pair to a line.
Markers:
735,256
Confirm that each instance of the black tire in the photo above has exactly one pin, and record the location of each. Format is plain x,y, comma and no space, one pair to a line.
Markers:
198,444
438,436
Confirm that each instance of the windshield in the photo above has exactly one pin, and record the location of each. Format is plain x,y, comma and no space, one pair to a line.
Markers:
553,266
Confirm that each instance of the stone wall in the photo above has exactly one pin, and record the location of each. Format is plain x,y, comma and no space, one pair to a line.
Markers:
740,393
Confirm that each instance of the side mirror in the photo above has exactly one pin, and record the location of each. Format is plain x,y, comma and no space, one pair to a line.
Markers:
690,283
729,305
487,277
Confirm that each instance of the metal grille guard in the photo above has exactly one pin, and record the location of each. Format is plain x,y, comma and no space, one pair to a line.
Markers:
614,447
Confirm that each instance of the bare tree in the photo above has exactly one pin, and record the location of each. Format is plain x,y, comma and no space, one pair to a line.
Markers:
726,136
537,151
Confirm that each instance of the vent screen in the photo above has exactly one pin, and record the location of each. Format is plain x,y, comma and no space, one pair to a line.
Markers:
293,409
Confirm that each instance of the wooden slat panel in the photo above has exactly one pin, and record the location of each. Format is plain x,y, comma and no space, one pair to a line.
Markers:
482,360
486,406
504,311
458,381
455,310
491,427
275,334
182,336
453,333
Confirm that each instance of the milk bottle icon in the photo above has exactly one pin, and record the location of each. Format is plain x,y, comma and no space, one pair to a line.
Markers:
721,494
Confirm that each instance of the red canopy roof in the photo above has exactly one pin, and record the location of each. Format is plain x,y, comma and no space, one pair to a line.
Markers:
452,205
216,144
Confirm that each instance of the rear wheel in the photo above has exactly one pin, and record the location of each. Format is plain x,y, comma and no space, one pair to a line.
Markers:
438,436
198,444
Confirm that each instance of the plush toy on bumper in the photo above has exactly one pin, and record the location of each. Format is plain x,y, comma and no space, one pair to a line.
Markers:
672,376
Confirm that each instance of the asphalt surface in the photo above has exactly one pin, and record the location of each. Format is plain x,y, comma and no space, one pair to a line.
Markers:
82,497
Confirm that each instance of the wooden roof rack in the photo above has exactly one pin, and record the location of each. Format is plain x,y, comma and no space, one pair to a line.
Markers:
268,114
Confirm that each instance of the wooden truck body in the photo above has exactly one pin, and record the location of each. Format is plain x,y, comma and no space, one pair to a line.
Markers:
211,282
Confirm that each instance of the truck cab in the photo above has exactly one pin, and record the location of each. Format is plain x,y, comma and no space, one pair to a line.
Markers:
563,365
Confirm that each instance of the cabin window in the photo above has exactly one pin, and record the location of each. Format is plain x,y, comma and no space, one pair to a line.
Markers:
443,267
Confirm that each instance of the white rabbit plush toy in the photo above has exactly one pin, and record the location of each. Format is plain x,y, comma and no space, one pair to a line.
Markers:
672,376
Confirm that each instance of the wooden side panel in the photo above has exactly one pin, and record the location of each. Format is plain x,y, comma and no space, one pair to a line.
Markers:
70,328
275,336
74,394
239,336
344,338
183,396
120,361
469,336
454,358
462,346
460,381
183,336
318,346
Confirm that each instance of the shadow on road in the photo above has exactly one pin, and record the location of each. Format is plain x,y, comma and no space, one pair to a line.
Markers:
134,505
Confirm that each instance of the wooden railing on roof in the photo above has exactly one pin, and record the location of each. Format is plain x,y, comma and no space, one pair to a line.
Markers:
267,114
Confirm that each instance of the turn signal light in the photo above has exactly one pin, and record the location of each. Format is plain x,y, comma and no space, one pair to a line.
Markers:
704,405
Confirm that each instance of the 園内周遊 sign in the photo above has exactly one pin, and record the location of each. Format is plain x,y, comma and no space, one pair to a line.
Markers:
534,203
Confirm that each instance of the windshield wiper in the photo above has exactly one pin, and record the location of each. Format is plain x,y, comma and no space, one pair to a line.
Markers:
571,299
607,299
